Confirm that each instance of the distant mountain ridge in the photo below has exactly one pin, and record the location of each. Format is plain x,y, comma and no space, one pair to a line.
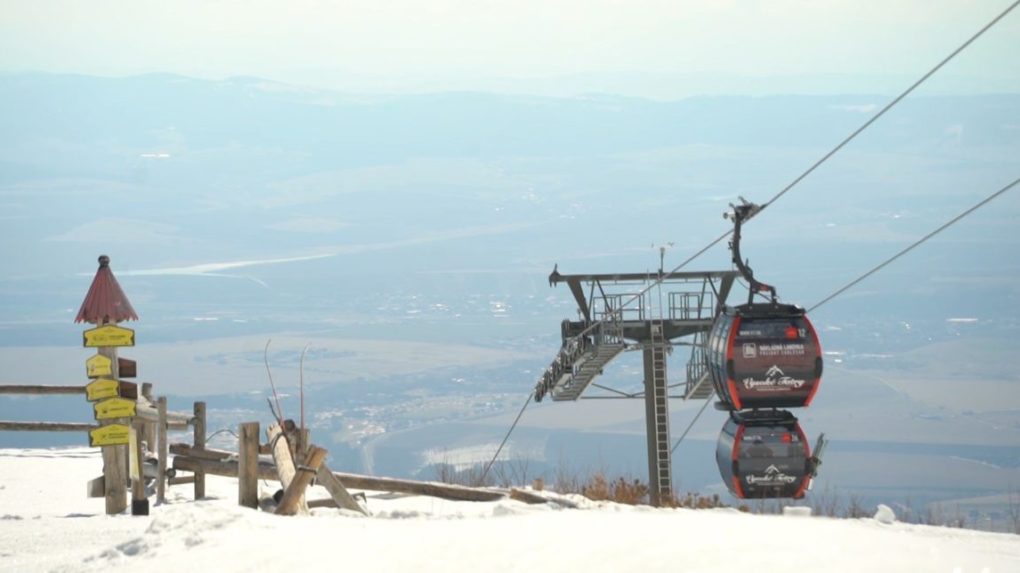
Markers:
163,111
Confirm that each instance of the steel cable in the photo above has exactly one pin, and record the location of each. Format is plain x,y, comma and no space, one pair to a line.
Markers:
946,225
488,466
612,313
818,163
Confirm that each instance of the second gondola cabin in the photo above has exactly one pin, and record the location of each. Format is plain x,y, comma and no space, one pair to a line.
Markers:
764,455
764,355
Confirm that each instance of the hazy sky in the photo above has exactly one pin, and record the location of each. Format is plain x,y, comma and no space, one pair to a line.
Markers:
630,46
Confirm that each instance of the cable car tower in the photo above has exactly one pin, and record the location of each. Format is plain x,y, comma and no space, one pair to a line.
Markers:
647,312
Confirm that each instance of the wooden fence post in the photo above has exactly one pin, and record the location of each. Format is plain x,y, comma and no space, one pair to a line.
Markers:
148,429
115,458
248,465
136,458
199,445
162,451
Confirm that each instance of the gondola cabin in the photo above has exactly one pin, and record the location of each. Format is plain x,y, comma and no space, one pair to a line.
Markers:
764,355
764,458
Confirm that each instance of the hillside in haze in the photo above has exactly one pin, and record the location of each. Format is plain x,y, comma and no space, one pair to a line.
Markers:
407,240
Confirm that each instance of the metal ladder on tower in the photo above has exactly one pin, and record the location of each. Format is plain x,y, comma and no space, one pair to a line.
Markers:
658,389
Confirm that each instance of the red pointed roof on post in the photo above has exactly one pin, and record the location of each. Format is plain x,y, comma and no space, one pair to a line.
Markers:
105,301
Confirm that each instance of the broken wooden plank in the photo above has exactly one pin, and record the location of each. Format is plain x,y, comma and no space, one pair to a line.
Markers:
180,480
534,499
97,487
285,466
337,491
294,494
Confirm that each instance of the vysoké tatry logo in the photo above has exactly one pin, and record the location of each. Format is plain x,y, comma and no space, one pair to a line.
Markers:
773,476
775,379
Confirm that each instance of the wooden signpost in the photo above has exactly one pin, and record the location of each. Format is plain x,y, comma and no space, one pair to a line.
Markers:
105,305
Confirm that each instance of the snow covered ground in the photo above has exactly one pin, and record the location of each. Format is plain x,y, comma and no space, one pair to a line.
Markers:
48,524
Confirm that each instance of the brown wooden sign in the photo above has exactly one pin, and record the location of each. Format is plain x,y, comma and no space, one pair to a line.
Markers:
128,390
127,368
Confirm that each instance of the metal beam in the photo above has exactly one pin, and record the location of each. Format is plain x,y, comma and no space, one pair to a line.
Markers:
582,303
643,277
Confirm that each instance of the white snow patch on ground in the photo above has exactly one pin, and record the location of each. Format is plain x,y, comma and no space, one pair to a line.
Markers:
47,524
885,514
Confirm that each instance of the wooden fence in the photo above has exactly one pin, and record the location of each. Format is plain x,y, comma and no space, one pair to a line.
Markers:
151,422
288,456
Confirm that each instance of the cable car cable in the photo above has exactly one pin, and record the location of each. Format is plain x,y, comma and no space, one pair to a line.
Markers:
691,425
817,164
860,129
824,158
790,186
915,244
891,104
885,263
485,472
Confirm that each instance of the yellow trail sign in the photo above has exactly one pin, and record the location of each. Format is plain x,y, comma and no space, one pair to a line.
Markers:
112,435
102,388
98,366
108,335
115,408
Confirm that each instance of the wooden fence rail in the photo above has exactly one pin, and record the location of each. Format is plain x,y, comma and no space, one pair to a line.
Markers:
222,463
46,426
218,462
152,421
38,390
150,424
145,409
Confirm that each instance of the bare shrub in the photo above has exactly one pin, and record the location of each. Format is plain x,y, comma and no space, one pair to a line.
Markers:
471,476
513,472
633,492
621,490
824,502
855,508
1013,509
597,488
694,500
566,480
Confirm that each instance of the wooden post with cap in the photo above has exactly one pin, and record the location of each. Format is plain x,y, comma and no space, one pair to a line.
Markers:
105,303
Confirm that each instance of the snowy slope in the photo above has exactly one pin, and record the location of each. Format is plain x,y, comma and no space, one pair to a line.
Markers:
47,524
